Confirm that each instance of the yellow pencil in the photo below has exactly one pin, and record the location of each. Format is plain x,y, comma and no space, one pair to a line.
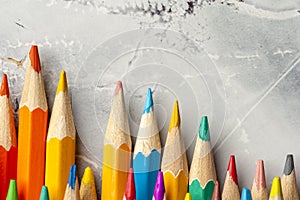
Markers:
174,161
33,119
87,187
117,149
60,151
276,193
72,189
188,196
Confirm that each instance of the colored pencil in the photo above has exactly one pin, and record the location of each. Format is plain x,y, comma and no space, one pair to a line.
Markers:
246,194
174,162
33,117
44,193
87,187
12,193
202,172
288,180
276,193
159,190
259,188
231,187
188,196
8,140
72,189
146,158
216,194
130,187
60,150
117,149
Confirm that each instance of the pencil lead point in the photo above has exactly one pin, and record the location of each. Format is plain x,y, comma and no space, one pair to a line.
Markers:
62,84
88,176
4,90
276,188
232,169
34,58
119,88
149,102
44,193
175,119
72,177
204,129
289,165
246,194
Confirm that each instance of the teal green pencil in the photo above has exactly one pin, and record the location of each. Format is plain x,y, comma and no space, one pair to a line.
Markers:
44,193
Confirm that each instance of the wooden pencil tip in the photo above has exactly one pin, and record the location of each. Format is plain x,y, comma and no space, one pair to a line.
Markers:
149,102
216,193
62,83
260,180
246,194
44,193
88,176
232,169
175,120
289,165
203,131
34,58
130,187
276,187
12,193
4,90
119,88
72,177
188,196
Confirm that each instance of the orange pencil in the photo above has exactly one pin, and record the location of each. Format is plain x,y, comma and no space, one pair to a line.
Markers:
33,117
8,141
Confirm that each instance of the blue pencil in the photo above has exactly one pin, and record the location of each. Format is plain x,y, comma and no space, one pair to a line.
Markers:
146,159
72,189
246,194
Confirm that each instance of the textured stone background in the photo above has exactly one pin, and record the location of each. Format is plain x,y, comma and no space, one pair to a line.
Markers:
235,61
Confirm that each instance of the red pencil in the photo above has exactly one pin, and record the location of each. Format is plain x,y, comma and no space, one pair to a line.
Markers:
231,187
8,141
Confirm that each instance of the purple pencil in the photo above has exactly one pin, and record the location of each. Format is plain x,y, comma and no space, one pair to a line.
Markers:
159,191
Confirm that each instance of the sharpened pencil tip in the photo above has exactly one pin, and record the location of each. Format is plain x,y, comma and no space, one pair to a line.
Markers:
88,176
204,129
175,120
62,84
188,196
216,193
119,87
12,193
159,189
149,102
246,194
44,193
4,90
260,180
232,169
72,177
276,187
34,58
289,165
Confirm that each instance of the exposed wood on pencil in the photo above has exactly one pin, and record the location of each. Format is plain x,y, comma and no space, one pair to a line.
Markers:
216,193
8,140
147,151
60,150
259,189
231,188
288,180
72,189
12,193
202,172
174,161
117,149
130,187
33,117
276,193
87,187
44,193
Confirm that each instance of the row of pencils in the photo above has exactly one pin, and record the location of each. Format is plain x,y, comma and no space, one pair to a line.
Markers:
39,163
